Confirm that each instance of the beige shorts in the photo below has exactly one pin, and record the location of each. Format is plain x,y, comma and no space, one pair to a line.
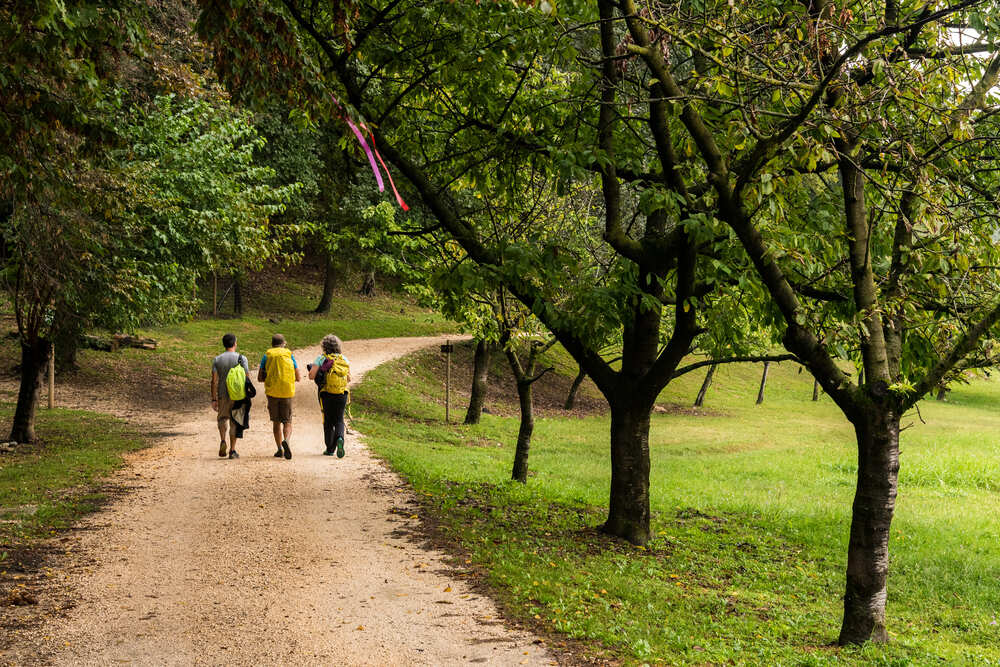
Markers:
279,409
225,408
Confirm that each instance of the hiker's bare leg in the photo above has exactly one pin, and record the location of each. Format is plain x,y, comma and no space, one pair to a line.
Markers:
288,431
222,430
232,438
276,426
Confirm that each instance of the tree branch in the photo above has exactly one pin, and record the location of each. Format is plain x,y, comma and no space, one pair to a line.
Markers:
734,360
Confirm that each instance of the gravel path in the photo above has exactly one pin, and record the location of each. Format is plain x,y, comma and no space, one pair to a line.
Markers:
266,561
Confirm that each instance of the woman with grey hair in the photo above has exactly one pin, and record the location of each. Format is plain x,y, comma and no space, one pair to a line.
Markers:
332,371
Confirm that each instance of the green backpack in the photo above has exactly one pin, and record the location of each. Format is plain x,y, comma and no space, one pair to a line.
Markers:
236,381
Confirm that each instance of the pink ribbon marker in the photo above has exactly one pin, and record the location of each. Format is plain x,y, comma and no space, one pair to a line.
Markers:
364,144
371,158
399,200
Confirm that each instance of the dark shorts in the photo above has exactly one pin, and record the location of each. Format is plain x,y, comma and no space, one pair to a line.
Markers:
279,409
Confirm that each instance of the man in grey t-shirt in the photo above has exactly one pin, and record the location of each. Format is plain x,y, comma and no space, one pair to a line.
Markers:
221,401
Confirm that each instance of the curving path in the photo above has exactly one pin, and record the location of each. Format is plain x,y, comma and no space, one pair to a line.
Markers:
266,561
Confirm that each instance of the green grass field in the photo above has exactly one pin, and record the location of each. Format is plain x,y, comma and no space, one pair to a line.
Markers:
750,503
751,513
46,485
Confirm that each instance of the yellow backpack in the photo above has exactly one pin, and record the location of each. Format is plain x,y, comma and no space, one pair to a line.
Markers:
279,378
335,381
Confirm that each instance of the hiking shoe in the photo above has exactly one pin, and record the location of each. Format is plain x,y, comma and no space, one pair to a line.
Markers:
222,449
328,452
278,454
288,450
340,448
234,455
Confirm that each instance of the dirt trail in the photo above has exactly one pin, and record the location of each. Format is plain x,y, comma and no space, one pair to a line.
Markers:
266,561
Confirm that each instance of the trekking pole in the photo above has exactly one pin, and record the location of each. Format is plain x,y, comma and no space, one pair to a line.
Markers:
347,412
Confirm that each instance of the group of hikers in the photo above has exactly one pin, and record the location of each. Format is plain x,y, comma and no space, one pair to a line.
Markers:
232,392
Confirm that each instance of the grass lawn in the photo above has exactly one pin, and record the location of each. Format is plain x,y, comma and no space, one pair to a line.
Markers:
751,508
45,486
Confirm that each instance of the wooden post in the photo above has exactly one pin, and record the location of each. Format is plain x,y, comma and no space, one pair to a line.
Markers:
447,349
52,376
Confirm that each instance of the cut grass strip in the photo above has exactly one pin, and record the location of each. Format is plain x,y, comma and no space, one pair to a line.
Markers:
46,486
751,507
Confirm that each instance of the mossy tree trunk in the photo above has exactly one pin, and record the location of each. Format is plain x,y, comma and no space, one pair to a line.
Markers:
524,377
34,362
700,398
329,275
877,433
574,389
480,372
368,284
628,513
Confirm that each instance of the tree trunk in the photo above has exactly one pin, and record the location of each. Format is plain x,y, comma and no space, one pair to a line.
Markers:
66,353
700,399
628,511
763,381
942,390
34,363
815,389
66,336
520,469
574,388
328,277
368,284
237,296
868,549
481,366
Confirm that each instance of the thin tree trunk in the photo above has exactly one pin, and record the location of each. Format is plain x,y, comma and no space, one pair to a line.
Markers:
480,369
628,513
868,548
519,473
237,296
574,388
815,389
524,377
763,381
942,390
700,399
328,279
34,362
368,284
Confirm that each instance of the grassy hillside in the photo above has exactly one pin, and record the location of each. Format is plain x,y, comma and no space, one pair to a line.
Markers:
751,512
